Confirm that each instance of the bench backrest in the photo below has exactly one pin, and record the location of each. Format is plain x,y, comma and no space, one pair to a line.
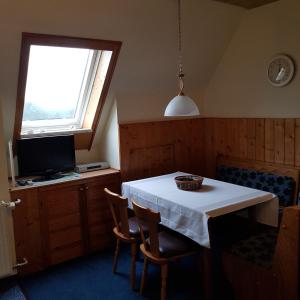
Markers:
281,180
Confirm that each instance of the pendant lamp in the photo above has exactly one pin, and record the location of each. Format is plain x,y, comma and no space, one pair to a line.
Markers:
181,105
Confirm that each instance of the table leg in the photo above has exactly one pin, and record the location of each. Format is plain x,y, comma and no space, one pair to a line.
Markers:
207,277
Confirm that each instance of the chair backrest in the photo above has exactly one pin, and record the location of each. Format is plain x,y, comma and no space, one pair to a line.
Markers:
151,219
118,206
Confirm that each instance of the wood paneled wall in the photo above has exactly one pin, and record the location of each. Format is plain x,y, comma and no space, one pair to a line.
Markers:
155,148
268,140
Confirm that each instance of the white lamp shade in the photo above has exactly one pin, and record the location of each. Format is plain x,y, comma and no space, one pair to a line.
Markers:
181,106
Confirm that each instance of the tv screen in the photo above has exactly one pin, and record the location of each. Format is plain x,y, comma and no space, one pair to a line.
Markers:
45,155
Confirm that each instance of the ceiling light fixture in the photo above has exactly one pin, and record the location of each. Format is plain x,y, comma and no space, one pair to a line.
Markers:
181,105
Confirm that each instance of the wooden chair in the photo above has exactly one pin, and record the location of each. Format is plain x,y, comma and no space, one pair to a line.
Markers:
125,230
161,247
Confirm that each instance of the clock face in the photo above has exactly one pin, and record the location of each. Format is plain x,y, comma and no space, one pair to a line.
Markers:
280,70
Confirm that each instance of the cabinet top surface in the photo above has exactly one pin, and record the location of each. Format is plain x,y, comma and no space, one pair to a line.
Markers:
80,177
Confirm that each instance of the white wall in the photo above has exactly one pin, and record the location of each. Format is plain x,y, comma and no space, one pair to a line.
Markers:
109,141
146,74
240,86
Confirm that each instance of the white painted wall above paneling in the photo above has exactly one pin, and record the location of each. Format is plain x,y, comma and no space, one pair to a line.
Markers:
240,87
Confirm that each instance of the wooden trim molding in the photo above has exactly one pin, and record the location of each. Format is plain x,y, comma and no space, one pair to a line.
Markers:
82,140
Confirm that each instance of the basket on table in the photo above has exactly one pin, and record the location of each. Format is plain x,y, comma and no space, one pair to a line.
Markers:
189,182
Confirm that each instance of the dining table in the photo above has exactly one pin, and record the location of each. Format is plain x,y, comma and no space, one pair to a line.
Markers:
192,214
188,212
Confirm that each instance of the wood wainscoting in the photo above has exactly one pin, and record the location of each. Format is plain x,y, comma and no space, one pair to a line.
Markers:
154,148
268,140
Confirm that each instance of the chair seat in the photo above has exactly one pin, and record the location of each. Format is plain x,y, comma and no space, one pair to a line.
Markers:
172,244
134,229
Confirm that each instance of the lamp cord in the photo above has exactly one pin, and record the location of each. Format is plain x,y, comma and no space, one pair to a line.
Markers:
180,74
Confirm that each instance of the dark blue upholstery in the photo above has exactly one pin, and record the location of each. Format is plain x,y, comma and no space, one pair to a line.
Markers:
259,248
282,186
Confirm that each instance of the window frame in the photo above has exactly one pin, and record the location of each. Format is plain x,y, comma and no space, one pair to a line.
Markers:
83,137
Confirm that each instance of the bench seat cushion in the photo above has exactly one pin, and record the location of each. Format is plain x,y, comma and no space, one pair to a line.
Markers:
282,186
259,248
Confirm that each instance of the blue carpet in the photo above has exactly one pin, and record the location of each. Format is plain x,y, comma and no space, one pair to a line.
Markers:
91,278
13,293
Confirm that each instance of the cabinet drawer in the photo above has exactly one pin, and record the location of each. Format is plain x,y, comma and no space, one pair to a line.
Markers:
101,236
99,216
65,237
64,222
69,252
61,202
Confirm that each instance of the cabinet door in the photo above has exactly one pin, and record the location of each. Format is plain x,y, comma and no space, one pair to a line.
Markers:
99,218
27,230
62,222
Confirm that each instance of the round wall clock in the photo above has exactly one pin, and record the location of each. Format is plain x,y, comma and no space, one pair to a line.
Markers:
281,70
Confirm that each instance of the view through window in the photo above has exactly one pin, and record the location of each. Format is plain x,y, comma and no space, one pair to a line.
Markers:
58,88
63,84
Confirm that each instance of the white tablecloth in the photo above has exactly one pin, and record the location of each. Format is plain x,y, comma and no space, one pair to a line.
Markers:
188,211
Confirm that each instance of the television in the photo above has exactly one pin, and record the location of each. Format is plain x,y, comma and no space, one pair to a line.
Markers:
46,156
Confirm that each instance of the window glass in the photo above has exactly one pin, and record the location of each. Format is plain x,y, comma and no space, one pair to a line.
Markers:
55,80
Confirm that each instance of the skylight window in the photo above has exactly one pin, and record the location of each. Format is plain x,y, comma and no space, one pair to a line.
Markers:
58,87
63,83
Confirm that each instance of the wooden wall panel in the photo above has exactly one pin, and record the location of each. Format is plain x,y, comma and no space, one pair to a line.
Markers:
289,142
251,139
154,148
197,142
269,141
279,141
260,139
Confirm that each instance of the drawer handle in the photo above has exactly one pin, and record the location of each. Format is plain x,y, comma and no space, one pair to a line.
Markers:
81,189
11,204
21,264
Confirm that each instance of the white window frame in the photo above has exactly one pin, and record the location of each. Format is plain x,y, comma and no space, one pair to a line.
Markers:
38,127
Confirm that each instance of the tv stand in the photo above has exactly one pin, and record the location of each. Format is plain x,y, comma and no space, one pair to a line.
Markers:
59,220
47,178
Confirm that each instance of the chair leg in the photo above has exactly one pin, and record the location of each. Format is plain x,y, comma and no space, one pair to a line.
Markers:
133,258
115,261
164,275
144,275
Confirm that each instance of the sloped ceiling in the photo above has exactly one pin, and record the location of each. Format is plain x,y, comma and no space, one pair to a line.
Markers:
247,3
145,78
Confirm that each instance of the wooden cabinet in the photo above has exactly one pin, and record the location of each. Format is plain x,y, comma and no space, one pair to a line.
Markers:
61,221
27,230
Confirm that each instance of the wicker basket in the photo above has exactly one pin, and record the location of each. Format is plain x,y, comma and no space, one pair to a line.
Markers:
189,182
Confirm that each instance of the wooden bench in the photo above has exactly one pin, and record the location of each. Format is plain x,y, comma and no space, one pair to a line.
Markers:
278,282
280,279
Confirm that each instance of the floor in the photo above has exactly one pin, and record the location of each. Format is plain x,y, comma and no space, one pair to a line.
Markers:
91,278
